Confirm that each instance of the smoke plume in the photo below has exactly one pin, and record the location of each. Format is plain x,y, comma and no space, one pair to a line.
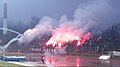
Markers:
88,16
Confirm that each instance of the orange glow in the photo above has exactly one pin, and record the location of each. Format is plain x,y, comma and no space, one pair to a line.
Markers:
50,60
78,65
59,44
78,62
60,39
78,43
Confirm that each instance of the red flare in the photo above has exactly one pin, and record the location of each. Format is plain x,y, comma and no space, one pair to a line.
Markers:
61,39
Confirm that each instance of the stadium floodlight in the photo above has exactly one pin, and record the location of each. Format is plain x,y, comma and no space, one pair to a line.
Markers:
5,16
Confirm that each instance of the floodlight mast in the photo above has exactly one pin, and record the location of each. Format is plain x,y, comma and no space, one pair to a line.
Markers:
5,28
5,23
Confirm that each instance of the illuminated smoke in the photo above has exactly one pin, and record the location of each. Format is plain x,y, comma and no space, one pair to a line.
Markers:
70,30
86,17
44,26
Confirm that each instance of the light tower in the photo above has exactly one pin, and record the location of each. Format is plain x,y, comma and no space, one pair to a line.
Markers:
5,16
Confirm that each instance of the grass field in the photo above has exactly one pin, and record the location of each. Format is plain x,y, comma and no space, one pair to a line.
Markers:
5,64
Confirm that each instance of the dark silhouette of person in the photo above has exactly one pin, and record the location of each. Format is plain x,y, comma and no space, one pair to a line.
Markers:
43,58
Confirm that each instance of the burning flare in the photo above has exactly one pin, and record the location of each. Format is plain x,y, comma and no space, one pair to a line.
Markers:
59,39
